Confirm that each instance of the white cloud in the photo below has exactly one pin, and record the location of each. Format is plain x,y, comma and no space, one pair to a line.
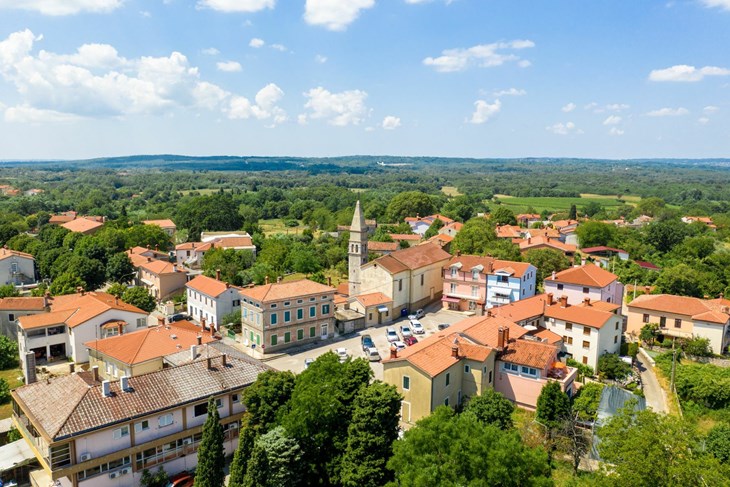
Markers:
390,122
279,47
616,131
569,107
668,112
302,119
229,66
710,109
563,128
334,14
723,4
703,120
145,13
237,5
211,51
612,120
320,59
340,109
482,55
524,63
685,73
256,43
96,81
62,7
484,111
28,114
617,107
510,92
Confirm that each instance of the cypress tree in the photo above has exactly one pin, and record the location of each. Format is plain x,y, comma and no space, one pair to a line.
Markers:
210,453
243,453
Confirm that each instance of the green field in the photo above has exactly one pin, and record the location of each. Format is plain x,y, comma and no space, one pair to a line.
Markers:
520,205
276,225
14,377
450,191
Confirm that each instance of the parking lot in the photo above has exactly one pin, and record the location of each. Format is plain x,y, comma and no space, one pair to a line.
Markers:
434,316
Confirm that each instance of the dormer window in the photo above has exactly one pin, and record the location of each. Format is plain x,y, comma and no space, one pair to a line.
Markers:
454,272
475,275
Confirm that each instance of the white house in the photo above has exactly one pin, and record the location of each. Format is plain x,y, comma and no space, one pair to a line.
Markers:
16,268
13,308
209,300
588,281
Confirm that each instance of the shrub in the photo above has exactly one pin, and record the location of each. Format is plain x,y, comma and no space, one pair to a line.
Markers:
699,347
4,391
583,369
611,366
8,353
585,402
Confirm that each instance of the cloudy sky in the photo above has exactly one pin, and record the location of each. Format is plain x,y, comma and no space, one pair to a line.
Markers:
473,78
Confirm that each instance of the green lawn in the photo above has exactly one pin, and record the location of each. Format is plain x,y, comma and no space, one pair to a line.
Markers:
14,377
450,191
520,205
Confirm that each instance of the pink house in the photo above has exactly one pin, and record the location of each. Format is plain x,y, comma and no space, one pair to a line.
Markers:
588,281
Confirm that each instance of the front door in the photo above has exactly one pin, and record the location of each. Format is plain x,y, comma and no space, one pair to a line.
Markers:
405,411
324,332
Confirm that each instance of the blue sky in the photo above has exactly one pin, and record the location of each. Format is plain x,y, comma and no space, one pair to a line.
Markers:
466,78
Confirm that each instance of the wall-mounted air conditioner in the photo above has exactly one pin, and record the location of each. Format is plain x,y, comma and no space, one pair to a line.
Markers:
187,441
233,426
113,475
125,470
85,457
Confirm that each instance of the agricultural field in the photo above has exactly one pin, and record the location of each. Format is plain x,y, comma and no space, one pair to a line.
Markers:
276,225
520,205
450,191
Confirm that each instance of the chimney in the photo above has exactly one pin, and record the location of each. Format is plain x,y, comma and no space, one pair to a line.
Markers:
106,388
71,368
160,321
458,253
266,280
124,384
582,262
722,295
200,339
95,373
212,329
550,301
529,240
224,359
194,351
563,301
329,283
489,312
228,285
647,289
157,248
500,338
29,368
587,301
278,279
116,301
148,247
506,336
490,267
202,322
217,274
554,274
120,328
209,363
149,259
455,350
393,352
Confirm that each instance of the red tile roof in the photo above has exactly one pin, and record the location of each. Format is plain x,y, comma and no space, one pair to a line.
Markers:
547,336
713,311
285,290
373,299
405,236
529,353
433,355
523,309
411,258
582,315
208,286
540,241
161,223
22,304
76,309
490,265
7,253
588,275
602,248
82,225
383,246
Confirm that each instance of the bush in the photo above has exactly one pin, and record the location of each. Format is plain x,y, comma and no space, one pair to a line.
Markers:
633,350
699,347
583,369
612,367
705,384
585,402
4,391
8,353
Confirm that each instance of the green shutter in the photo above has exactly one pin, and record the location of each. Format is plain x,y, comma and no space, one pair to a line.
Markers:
312,332
300,334
273,340
287,337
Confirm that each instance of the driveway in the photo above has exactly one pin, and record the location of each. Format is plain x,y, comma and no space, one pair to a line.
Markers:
655,396
434,316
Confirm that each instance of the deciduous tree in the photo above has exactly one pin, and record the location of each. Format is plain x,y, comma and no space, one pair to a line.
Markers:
491,408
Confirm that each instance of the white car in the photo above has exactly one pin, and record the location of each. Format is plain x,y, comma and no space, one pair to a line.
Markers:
418,314
391,335
372,354
405,331
417,327
342,354
399,345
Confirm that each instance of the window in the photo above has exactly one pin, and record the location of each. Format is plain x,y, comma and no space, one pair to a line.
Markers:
400,284
568,326
585,290
448,378
324,297
325,309
467,369
454,271
236,398
528,371
370,316
510,368
490,377
11,317
645,318
586,344
560,287
585,360
287,316
141,426
219,403
586,331
141,322
474,275
503,279
312,299
274,318
236,303
274,338
446,401
615,339
165,420
678,323
300,334
312,332
200,409
299,301
616,328
453,288
287,303
287,337
421,279
663,322
570,340
273,306
121,432
406,383
312,311
300,314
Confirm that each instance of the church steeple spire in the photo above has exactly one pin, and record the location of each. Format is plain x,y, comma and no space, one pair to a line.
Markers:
357,250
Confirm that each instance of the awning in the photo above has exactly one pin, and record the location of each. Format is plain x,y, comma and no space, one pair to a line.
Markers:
383,309
15,454
502,295
530,327
450,300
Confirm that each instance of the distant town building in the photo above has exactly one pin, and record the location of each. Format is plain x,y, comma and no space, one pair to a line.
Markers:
209,300
587,281
167,225
17,268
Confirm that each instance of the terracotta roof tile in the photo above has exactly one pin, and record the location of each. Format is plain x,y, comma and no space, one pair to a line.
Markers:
343,288
489,265
82,225
529,353
21,304
88,305
434,354
167,223
232,242
417,257
540,241
7,253
523,309
383,246
208,286
373,299
508,231
713,311
44,319
547,336
405,236
582,315
587,275
285,290
389,263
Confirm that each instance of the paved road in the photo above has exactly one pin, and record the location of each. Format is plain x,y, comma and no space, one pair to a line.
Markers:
434,315
655,396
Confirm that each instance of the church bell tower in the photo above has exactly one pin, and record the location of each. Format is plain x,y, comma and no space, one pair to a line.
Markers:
357,251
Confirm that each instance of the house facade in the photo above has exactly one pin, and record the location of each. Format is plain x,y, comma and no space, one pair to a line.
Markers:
162,279
282,315
72,321
13,308
16,268
376,307
209,300
411,277
139,423
682,317
587,281
167,225
419,225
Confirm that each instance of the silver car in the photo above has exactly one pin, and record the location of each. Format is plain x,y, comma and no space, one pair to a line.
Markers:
372,354
391,335
405,331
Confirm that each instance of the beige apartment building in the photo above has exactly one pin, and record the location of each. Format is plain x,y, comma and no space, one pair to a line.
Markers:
281,315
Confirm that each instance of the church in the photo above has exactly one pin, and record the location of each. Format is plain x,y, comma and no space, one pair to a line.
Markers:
402,281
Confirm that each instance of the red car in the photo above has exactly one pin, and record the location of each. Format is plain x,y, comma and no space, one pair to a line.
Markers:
183,479
411,340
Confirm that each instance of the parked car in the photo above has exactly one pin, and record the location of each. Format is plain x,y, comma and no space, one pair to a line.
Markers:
367,342
342,354
308,362
399,345
372,354
390,334
417,315
182,479
405,331
443,326
411,340
177,317
417,327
